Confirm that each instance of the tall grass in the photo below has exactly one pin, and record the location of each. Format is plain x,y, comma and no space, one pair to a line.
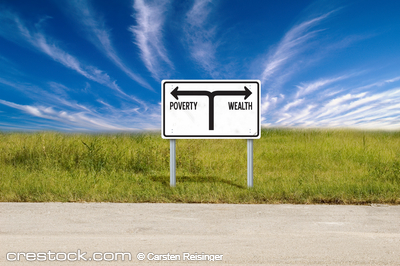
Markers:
290,166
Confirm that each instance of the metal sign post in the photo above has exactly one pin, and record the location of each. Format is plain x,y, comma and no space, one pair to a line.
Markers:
172,163
249,163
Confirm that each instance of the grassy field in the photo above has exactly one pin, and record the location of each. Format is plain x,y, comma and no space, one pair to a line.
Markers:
290,166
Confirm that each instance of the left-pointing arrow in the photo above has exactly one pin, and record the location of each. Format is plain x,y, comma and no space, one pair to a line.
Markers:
177,93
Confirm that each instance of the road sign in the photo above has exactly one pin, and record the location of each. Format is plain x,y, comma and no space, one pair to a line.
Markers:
211,109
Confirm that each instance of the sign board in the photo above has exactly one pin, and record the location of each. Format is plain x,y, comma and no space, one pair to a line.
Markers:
219,109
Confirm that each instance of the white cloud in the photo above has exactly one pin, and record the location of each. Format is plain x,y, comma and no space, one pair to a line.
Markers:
149,35
292,104
29,109
99,35
16,31
293,43
200,35
270,102
339,106
307,88
89,119
379,83
363,110
66,114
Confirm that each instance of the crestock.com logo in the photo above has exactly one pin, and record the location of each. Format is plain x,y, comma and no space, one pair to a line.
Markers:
70,256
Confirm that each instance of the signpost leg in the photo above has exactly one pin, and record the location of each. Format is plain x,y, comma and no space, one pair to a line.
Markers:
249,163
172,163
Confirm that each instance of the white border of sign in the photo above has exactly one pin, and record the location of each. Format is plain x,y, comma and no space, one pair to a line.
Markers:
169,136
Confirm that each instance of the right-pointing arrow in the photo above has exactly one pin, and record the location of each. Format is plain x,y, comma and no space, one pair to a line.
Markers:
246,93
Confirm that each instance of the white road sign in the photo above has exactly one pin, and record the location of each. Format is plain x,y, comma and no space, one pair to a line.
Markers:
211,109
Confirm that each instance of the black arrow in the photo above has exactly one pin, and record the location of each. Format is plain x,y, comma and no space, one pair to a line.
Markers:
246,93
175,93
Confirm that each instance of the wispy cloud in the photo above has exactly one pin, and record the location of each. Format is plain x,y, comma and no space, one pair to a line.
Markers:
307,88
56,96
200,36
15,30
148,34
293,43
363,109
292,104
99,35
270,102
380,83
336,101
67,114
78,119
54,104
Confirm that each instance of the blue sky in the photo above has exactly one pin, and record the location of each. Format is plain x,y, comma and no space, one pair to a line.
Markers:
98,65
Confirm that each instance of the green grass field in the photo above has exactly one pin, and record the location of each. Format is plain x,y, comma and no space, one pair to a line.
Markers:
290,166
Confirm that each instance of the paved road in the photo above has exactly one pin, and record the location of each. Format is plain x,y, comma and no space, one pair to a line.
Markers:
242,234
